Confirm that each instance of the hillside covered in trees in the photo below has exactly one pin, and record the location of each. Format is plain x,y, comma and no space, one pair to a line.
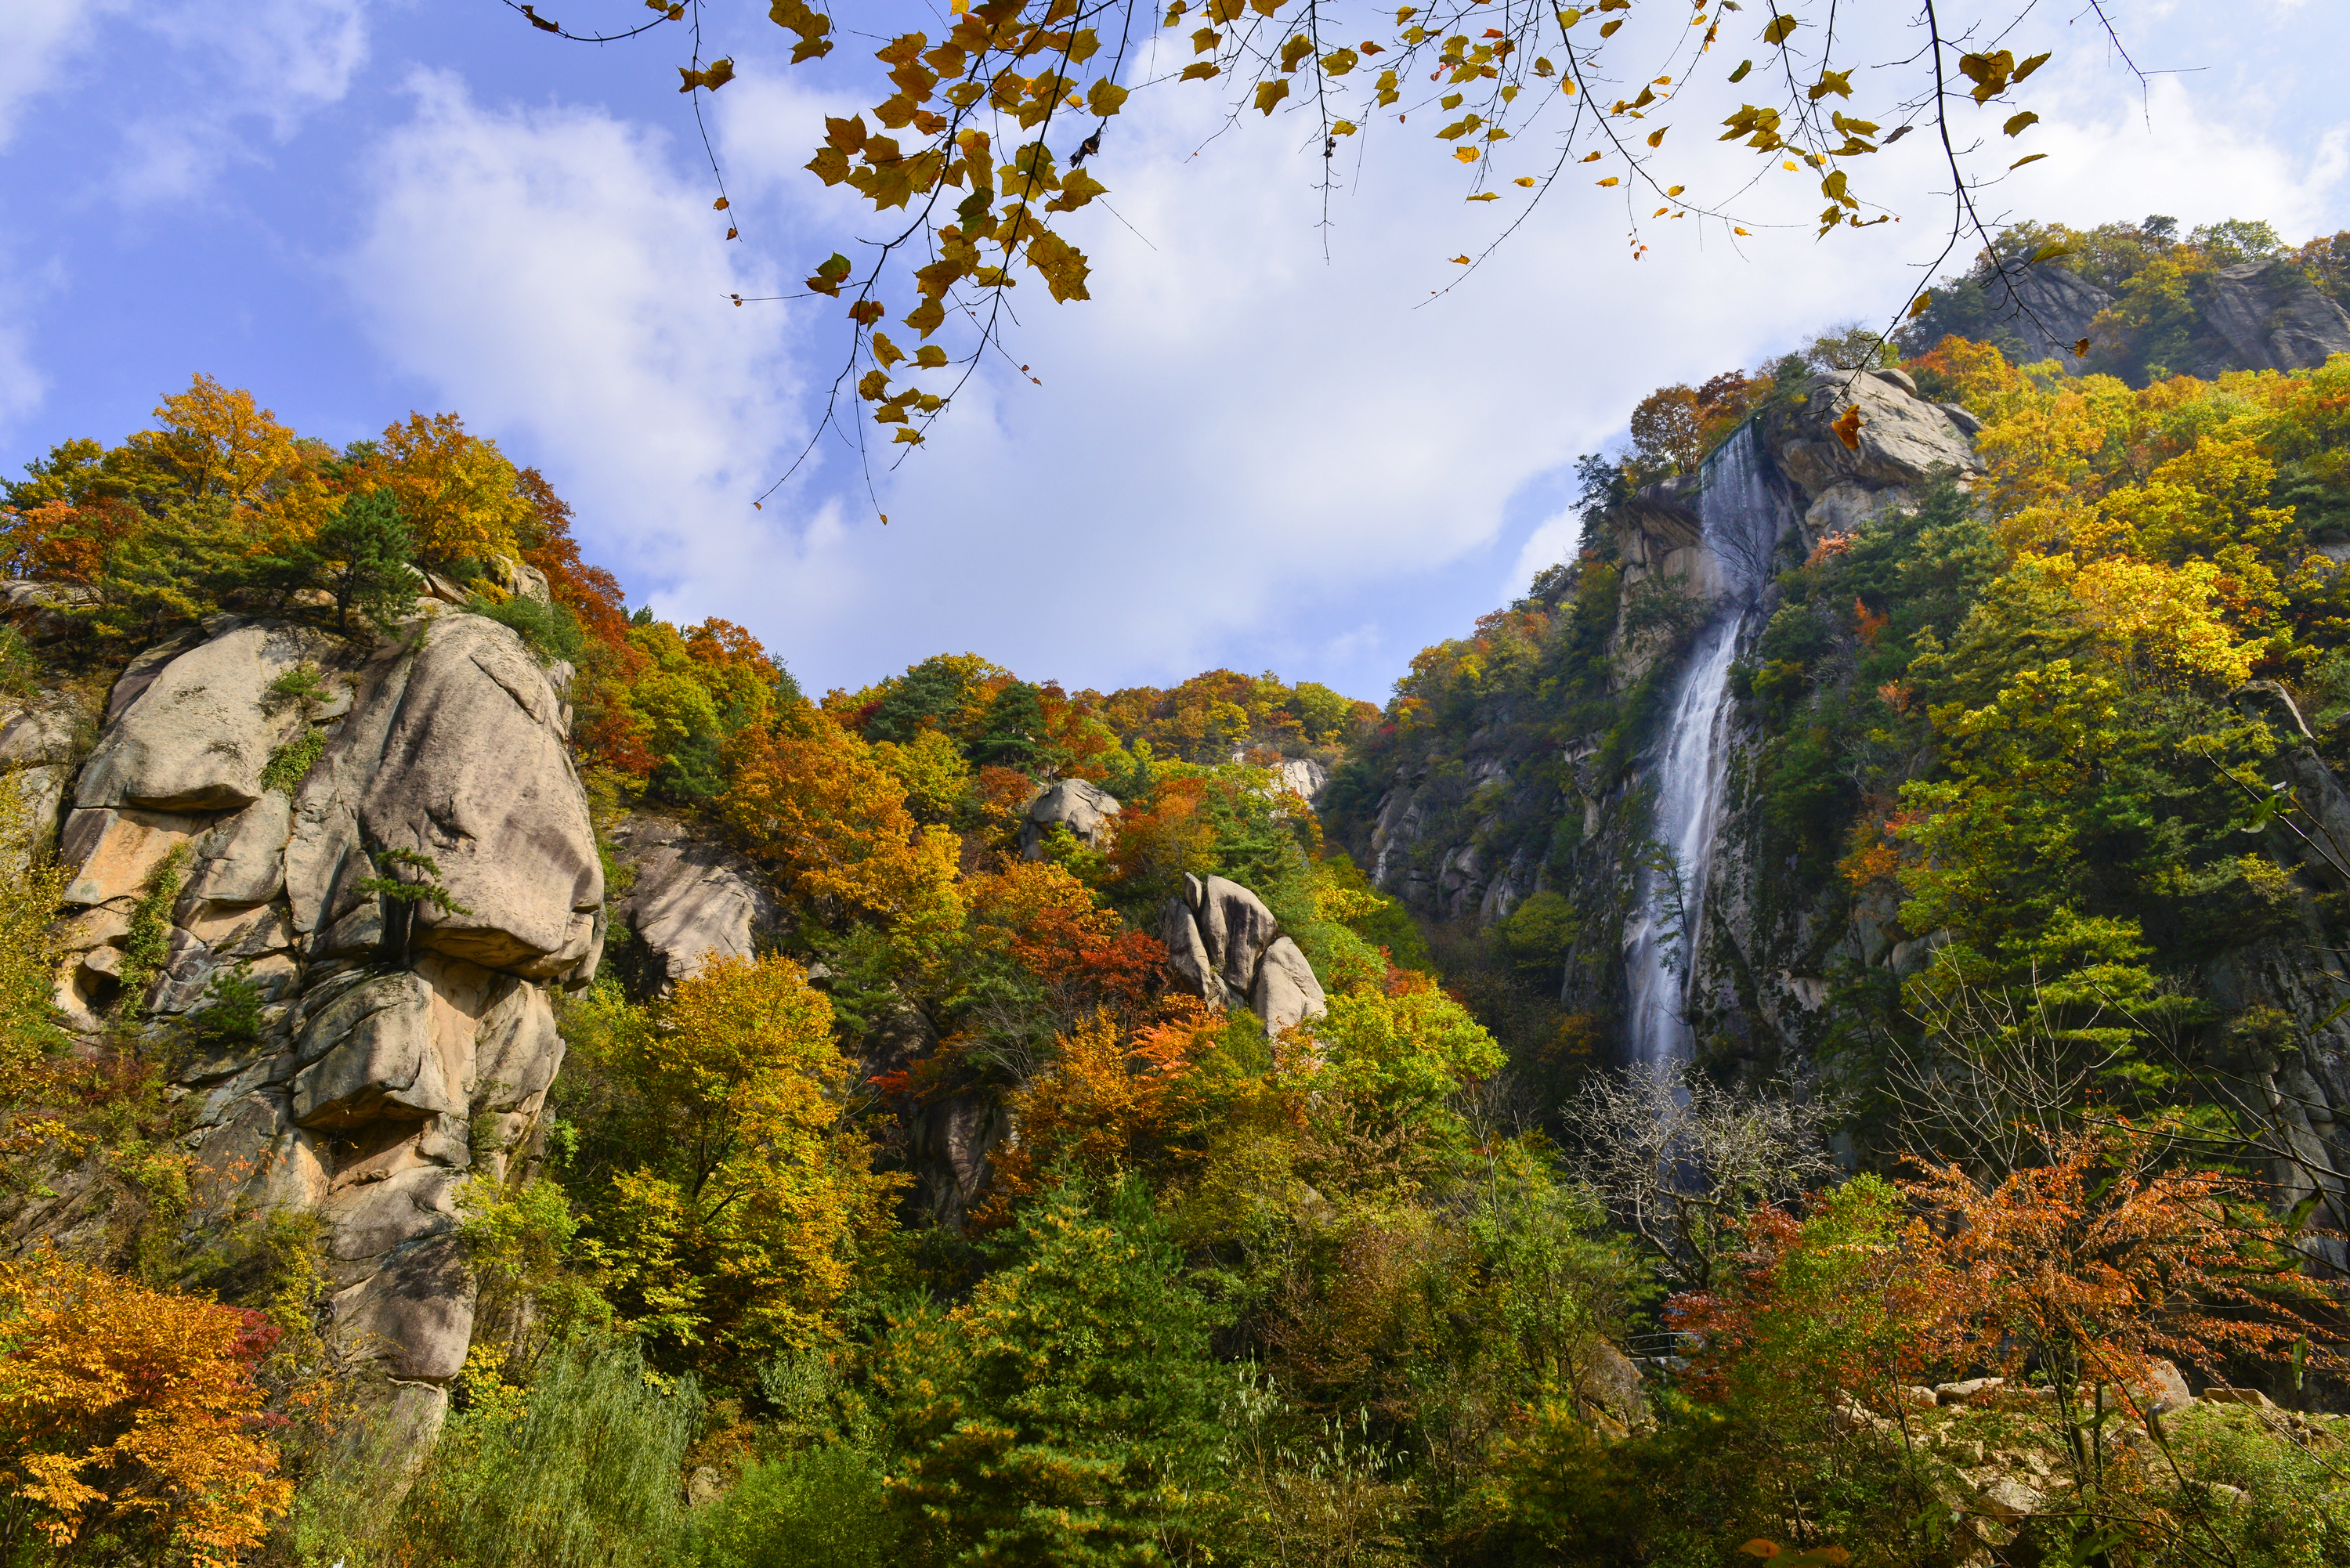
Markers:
495,1078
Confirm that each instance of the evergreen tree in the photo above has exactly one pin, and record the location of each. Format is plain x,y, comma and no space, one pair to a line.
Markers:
1012,734
359,556
1072,1419
930,694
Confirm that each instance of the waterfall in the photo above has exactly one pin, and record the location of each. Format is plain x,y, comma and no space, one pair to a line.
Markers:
1740,523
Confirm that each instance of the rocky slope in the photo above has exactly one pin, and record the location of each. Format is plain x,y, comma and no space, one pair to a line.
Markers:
403,906
385,845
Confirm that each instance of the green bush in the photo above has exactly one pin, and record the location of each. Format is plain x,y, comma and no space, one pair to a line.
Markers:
290,764
820,1507
551,631
1064,1414
2294,1507
579,1470
1536,935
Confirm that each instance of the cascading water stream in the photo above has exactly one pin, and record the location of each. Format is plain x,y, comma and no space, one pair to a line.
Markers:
1739,529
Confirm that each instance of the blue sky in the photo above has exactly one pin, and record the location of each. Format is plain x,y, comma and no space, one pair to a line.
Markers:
1242,453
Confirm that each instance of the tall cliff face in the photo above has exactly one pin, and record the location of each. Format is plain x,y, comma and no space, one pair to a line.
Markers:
1546,763
1467,831
404,904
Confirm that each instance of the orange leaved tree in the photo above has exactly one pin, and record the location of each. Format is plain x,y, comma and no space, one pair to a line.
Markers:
1085,958
810,800
1110,1101
2086,1268
131,1424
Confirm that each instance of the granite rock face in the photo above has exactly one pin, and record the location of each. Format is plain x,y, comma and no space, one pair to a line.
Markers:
2272,319
1423,844
1224,946
406,1045
693,900
201,727
1084,808
2051,310
1304,777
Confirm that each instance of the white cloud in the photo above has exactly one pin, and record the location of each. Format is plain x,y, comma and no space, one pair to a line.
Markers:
275,61
36,38
2116,161
1553,539
1239,453
550,275
21,385
1237,444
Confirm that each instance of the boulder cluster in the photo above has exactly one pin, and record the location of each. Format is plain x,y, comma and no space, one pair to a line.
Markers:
388,842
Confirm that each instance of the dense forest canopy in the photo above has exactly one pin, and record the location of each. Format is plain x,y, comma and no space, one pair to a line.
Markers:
944,1226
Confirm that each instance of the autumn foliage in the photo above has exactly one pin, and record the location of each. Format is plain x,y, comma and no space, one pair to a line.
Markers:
131,1416
809,800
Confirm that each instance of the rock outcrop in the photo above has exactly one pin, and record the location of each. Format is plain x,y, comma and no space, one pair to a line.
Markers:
692,900
1224,946
2271,317
2248,315
1450,841
1084,808
2051,309
1301,777
407,1040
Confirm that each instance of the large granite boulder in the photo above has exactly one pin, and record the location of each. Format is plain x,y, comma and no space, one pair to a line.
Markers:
1084,808
1224,946
462,757
406,1046
693,900
201,729
1901,436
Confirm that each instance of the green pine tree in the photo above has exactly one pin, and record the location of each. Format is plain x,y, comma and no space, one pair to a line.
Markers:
1072,1421
1012,733
360,557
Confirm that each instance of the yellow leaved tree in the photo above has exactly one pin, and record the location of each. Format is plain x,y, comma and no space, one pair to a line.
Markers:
218,443
756,1192
131,1424
461,498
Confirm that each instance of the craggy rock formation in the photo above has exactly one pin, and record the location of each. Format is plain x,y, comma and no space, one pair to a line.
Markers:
2252,315
2054,309
405,1043
1902,439
1303,776
1224,946
1084,808
693,900
2274,319
1478,870
38,745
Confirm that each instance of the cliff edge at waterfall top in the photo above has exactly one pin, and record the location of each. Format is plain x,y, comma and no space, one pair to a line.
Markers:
1817,1031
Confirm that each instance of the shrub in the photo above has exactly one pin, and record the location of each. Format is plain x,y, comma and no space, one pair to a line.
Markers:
551,631
578,1469
818,1508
